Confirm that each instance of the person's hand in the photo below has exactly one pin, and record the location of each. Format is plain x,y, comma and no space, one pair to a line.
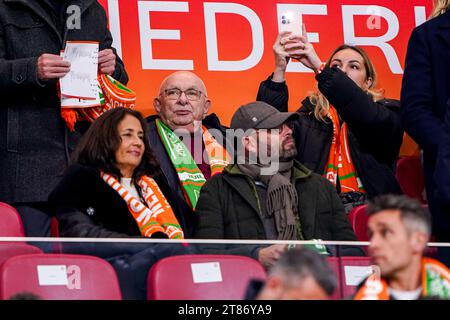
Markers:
51,66
106,61
281,58
299,48
269,255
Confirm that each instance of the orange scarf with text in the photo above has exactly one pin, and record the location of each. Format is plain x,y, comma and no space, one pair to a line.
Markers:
339,164
435,281
157,216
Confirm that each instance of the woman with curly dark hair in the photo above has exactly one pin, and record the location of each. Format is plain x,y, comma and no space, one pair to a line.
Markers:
114,187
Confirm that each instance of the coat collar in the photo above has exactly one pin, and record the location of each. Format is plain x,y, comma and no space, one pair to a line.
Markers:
300,171
245,186
443,31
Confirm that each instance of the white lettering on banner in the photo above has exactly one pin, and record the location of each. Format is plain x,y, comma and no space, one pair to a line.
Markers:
420,14
313,37
348,12
214,64
147,35
114,25
374,21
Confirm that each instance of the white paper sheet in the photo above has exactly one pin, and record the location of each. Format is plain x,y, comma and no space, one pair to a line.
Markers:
80,82
206,272
52,275
355,274
67,102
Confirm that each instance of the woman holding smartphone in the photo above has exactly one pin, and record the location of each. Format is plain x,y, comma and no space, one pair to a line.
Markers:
347,130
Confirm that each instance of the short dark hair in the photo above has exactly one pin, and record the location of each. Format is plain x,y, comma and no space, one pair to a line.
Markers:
99,144
301,263
413,214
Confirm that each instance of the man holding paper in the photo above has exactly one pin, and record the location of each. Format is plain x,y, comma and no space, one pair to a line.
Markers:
35,143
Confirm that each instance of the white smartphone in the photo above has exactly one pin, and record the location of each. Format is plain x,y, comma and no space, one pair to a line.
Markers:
290,21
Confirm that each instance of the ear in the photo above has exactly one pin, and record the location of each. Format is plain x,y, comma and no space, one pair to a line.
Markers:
369,82
157,105
206,108
249,143
419,241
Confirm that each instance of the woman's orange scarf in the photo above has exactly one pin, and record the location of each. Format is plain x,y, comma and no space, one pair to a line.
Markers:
157,216
339,164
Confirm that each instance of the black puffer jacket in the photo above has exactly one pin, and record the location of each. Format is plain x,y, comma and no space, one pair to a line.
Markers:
375,130
86,206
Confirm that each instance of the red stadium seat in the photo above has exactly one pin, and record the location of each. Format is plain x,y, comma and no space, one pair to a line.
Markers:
353,271
358,219
334,263
11,223
8,250
198,277
409,174
59,277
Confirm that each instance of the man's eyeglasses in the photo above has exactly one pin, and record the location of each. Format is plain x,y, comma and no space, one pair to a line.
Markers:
175,94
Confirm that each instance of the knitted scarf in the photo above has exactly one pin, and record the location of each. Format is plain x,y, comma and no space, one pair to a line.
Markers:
112,94
191,178
339,164
282,199
435,278
154,216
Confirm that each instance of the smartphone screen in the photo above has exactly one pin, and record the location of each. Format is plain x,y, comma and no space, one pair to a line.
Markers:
290,21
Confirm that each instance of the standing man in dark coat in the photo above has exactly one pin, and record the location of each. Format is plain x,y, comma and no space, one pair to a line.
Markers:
34,141
425,103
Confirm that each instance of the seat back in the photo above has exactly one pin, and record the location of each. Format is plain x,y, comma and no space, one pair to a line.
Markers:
59,277
199,277
11,223
8,250
334,263
358,219
353,271
409,174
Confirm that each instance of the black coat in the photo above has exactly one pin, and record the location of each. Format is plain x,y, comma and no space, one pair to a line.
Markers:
375,133
86,206
229,208
425,103
34,140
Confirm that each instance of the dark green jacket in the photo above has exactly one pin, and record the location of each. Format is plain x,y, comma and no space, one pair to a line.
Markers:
229,208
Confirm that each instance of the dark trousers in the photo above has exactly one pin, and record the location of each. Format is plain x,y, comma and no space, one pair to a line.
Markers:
440,213
36,218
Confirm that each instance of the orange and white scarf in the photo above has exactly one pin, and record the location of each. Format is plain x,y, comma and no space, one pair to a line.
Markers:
339,164
435,278
112,94
157,216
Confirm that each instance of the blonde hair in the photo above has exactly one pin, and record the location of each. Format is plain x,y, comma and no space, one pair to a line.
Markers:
440,6
321,104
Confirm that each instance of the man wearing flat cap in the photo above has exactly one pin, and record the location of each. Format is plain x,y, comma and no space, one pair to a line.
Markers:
266,194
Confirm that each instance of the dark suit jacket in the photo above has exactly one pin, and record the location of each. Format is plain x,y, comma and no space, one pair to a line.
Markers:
425,102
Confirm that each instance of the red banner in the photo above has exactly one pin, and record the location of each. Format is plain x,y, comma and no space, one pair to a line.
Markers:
229,44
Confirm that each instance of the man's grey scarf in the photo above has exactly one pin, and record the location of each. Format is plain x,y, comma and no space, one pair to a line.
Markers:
282,199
